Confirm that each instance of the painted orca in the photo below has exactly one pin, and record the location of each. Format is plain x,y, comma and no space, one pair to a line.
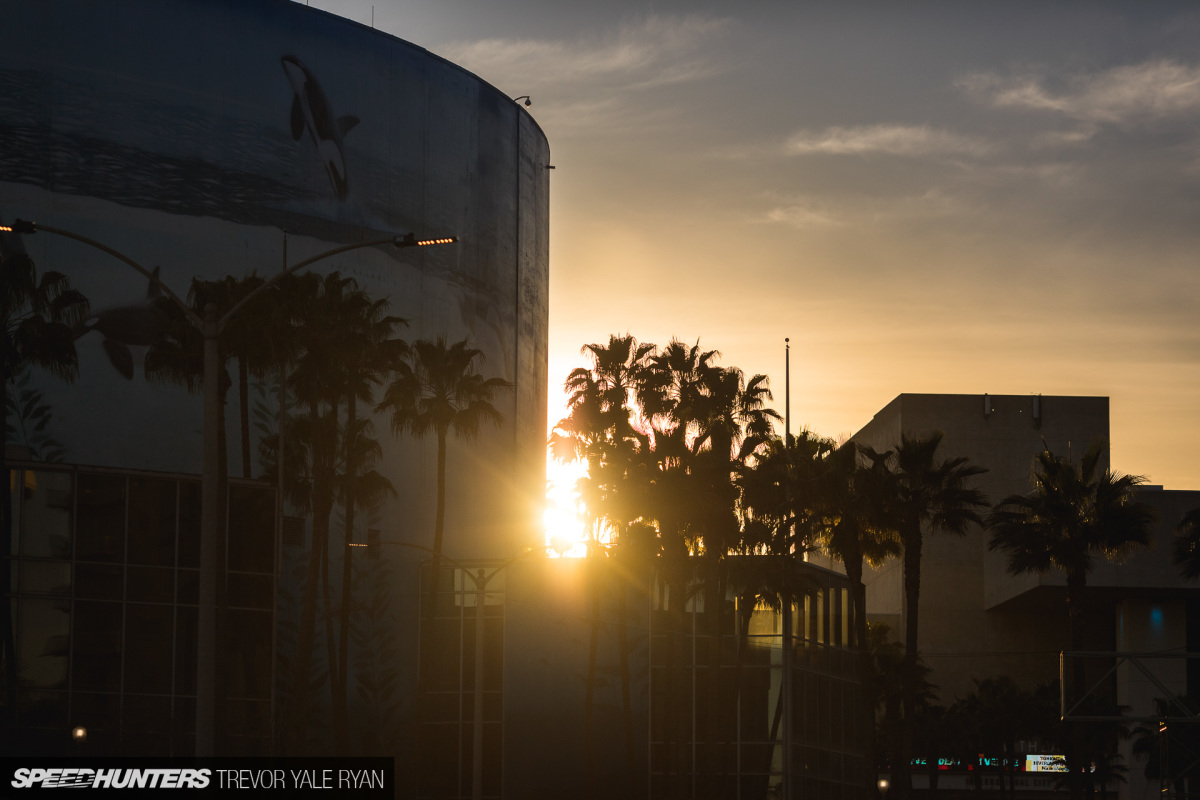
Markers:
124,326
311,112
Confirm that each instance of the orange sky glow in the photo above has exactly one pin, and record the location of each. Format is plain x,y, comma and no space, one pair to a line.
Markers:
943,197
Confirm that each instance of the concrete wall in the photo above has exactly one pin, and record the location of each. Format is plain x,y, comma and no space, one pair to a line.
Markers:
961,582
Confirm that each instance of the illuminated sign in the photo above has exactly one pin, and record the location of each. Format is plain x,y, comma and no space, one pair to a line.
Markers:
1045,764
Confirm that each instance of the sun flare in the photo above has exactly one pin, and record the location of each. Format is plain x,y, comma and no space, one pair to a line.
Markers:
565,529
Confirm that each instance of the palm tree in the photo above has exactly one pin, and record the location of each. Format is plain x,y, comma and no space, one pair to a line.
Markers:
1075,513
368,352
931,495
847,501
1185,550
322,306
439,391
599,428
38,315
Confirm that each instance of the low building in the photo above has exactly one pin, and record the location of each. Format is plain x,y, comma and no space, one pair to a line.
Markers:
593,678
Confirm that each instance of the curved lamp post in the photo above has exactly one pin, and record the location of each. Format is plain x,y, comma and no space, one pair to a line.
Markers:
480,580
210,326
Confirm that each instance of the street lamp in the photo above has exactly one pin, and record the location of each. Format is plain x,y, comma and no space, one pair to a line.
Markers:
884,784
480,580
210,326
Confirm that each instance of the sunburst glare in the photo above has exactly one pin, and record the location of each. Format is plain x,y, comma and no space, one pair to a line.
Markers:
565,529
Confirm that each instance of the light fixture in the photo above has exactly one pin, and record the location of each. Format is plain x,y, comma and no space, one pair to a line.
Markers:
19,226
524,97
79,733
410,240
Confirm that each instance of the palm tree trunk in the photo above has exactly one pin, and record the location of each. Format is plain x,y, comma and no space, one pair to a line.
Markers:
714,597
866,721
912,597
302,674
330,641
222,594
1077,759
341,720
244,411
589,707
626,690
436,565
675,726
8,650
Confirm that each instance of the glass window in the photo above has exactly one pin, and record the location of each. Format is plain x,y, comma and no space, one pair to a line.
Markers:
151,584
186,636
42,512
43,645
251,529
189,524
96,665
100,532
42,709
250,591
45,577
247,652
99,581
152,521
147,714
149,638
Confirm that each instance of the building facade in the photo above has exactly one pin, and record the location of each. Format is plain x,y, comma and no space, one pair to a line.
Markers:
978,621
212,138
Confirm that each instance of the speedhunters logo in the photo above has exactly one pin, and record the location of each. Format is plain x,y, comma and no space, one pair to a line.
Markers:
201,777
82,777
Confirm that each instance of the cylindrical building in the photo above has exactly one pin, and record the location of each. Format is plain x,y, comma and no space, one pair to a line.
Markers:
213,138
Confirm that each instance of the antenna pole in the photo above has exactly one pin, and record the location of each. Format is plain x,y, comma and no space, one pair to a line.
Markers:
787,391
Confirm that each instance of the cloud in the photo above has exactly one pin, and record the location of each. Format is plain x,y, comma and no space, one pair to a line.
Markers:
1121,95
656,51
899,140
800,215
808,213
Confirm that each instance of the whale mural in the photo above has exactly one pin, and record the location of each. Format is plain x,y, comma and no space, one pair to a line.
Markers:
311,113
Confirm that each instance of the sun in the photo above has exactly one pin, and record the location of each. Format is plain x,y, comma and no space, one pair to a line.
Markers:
565,529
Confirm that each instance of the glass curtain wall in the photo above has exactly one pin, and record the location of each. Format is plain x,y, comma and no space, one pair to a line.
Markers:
104,589
728,705
447,740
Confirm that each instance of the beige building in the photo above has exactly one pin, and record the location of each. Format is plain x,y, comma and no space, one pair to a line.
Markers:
978,621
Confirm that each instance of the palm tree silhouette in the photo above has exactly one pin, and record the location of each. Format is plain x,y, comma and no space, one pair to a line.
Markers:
1075,513
38,315
926,494
599,429
439,391
369,353
850,493
1185,550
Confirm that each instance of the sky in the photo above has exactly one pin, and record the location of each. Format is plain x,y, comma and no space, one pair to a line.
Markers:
924,197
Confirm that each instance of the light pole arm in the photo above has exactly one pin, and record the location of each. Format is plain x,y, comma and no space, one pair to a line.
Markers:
395,241
192,316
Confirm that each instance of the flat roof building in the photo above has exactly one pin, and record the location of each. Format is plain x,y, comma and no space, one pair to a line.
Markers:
979,621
